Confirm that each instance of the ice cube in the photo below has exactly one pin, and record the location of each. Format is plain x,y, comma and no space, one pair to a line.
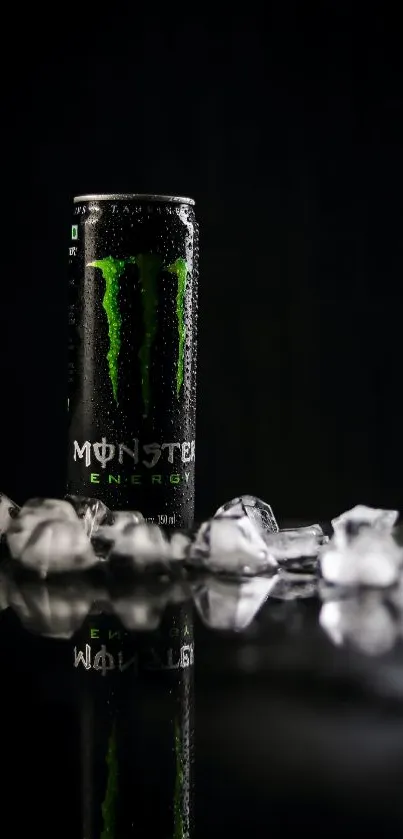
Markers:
143,547
179,545
8,512
48,508
394,597
230,605
349,524
56,546
292,544
231,546
371,559
304,565
308,530
294,586
91,511
50,610
120,517
107,534
364,622
31,514
247,505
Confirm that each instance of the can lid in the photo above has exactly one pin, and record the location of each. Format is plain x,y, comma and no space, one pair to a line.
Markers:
134,196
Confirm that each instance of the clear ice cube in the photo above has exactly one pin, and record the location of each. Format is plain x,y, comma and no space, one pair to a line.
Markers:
363,622
8,512
91,511
57,546
230,605
247,505
308,530
371,559
31,514
120,517
352,522
179,545
231,546
143,546
394,597
292,544
107,534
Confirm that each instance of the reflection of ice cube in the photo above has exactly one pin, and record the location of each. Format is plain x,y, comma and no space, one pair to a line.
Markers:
50,610
350,523
371,559
230,605
8,512
58,546
143,608
91,511
3,591
247,505
31,514
294,586
138,613
363,621
231,546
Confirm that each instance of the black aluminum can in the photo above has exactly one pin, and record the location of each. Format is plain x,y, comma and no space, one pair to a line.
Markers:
132,354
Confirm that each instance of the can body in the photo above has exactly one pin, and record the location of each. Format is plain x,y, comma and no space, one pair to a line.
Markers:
132,354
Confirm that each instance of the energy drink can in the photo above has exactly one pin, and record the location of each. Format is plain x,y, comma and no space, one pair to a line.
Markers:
132,354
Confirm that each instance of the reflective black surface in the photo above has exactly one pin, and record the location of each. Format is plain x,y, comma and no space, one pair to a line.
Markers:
292,722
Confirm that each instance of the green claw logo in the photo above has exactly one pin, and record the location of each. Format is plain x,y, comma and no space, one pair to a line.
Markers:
178,817
149,267
109,805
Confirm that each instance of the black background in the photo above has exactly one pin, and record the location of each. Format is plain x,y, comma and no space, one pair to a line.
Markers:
285,126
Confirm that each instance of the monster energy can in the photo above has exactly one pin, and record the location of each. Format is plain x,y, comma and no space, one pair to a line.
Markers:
132,353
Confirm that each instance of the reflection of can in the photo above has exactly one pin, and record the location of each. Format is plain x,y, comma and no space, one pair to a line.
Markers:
132,353
159,736
136,701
